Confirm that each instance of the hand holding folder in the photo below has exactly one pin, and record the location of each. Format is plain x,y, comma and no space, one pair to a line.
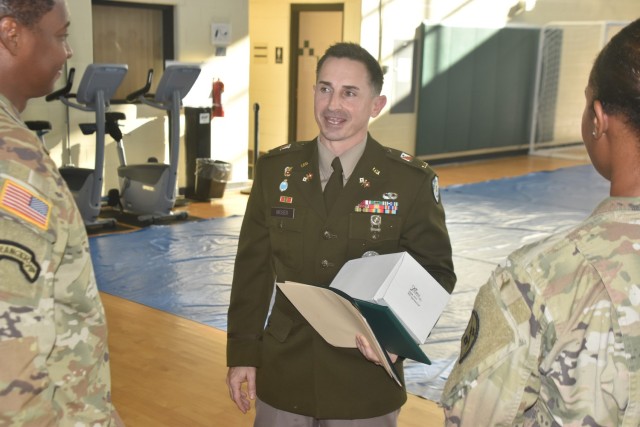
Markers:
335,318
389,299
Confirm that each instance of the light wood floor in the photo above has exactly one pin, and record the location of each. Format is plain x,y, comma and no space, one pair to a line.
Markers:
168,371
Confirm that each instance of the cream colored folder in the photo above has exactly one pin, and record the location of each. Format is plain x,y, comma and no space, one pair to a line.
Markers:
335,318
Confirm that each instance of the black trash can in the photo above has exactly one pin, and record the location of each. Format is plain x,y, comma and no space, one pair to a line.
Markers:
211,178
197,143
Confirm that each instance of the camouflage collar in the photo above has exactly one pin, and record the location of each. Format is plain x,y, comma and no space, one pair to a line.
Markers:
11,110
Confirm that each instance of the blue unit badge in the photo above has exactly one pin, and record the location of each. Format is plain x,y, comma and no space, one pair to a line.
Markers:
284,185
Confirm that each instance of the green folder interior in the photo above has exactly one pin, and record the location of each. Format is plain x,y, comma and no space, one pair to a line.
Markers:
390,333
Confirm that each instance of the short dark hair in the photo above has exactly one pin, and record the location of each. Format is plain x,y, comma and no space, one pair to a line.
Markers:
357,53
615,76
26,12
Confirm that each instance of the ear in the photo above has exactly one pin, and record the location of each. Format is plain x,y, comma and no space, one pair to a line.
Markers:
9,31
378,104
600,120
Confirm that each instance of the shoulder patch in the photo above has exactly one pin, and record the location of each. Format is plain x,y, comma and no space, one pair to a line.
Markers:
406,158
435,186
21,255
470,336
24,204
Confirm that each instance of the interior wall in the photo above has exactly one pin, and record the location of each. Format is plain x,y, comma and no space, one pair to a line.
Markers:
386,25
192,31
544,11
269,21
252,75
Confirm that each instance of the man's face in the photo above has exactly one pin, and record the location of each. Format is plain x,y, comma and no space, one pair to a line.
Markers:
44,50
344,101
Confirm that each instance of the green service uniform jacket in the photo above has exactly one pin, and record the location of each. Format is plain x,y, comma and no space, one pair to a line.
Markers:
287,235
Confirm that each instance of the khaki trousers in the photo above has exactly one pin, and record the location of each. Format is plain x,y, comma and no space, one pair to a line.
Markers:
268,416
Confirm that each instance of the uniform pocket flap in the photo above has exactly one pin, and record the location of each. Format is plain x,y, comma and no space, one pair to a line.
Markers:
279,326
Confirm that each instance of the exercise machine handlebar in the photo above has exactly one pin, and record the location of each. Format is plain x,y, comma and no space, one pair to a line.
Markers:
63,92
144,90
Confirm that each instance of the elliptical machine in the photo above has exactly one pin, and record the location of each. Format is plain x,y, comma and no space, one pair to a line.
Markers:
99,83
148,190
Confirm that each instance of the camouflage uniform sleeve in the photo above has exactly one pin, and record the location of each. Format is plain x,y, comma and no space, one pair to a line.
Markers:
27,324
496,376
54,361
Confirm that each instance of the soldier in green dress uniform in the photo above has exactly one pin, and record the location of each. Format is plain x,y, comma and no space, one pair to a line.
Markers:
377,201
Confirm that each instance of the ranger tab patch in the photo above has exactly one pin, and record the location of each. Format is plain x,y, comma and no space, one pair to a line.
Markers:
23,256
24,204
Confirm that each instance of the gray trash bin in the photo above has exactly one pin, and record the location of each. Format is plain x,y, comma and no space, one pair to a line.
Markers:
211,178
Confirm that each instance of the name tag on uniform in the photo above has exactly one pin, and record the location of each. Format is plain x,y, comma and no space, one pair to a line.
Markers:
283,212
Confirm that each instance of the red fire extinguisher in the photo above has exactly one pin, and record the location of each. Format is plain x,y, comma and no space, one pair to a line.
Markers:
216,96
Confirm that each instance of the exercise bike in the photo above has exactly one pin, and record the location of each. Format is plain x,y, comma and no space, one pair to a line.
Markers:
98,84
40,127
148,190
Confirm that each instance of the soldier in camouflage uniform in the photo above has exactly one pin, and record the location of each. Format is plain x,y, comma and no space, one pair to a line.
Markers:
54,362
554,336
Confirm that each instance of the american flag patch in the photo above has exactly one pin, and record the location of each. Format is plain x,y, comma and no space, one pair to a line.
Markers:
23,203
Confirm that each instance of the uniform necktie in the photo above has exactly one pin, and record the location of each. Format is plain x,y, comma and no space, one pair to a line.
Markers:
334,185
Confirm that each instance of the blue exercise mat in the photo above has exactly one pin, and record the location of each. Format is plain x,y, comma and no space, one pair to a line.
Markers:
186,269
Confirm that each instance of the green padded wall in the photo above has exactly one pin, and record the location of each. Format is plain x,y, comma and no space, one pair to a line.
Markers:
476,88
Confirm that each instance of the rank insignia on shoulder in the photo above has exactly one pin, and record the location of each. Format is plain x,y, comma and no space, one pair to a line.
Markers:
407,157
23,256
24,204
470,336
